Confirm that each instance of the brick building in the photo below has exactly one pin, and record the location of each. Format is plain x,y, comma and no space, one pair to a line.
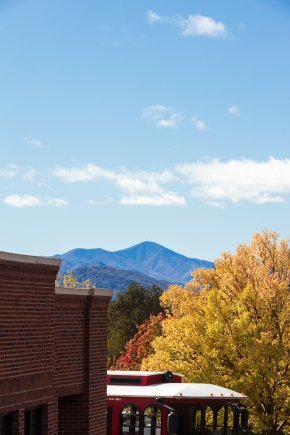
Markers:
52,351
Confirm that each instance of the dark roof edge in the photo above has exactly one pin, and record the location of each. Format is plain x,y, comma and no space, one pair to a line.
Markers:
29,259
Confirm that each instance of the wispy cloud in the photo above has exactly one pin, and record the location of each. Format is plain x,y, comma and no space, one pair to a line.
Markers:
55,202
233,110
30,174
153,17
20,201
138,188
36,143
12,172
199,124
90,172
193,25
238,180
9,172
157,199
162,116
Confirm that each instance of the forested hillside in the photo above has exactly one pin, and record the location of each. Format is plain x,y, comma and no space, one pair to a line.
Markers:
116,279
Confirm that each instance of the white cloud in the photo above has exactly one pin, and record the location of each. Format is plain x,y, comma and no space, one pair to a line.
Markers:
89,172
238,180
162,116
233,110
172,121
144,183
199,124
144,188
12,171
199,25
154,111
55,202
153,17
193,25
36,143
9,172
138,188
169,198
214,182
134,184
122,177
20,201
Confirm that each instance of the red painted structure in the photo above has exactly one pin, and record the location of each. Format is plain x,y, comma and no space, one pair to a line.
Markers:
53,352
156,403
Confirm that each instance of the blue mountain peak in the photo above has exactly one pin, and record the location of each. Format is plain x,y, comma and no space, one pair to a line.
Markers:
148,258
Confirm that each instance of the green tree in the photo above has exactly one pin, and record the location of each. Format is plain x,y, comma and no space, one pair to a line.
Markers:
130,308
230,326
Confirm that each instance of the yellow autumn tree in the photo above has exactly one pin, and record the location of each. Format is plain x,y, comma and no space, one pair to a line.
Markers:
68,280
230,326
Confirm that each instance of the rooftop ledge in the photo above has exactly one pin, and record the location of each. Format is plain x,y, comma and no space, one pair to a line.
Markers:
47,261
29,259
84,291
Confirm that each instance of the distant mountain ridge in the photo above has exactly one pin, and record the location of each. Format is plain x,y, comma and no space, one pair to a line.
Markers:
146,258
117,279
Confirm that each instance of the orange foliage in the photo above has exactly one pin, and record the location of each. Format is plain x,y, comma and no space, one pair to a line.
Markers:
139,347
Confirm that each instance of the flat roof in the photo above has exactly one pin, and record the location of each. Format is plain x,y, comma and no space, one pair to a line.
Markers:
174,391
29,259
84,291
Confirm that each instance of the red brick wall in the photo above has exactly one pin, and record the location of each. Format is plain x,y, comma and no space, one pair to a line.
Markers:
52,351
73,415
81,331
97,389
70,336
26,333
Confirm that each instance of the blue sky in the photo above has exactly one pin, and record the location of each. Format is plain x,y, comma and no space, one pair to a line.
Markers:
124,121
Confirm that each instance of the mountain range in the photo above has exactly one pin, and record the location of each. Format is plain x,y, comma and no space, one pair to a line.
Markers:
147,263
